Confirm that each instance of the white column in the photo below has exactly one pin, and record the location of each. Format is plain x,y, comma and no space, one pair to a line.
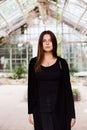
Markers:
10,59
35,46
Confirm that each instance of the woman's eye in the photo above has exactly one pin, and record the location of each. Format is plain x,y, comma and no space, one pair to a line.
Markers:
44,40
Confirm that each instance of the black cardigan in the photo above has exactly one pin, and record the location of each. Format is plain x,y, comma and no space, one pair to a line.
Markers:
66,97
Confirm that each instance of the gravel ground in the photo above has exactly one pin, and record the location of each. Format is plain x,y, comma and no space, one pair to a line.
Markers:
9,81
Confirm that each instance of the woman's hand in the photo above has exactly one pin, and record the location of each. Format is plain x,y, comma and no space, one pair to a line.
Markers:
31,120
73,121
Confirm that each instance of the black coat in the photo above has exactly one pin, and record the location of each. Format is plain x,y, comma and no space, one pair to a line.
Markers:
64,109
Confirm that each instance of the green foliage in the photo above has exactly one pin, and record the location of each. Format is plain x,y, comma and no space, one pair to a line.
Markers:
73,70
75,91
19,71
59,50
76,94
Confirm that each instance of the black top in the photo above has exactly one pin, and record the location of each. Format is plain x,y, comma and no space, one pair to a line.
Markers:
48,81
52,84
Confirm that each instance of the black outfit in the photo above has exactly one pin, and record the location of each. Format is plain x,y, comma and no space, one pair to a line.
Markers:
50,98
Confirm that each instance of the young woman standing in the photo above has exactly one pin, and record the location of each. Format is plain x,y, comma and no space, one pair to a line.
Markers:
50,98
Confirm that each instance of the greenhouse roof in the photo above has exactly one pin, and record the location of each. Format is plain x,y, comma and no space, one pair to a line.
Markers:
17,13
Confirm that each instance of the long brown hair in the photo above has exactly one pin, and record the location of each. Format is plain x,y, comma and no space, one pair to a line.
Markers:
40,53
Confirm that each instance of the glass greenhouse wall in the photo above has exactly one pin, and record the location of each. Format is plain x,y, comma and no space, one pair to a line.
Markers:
21,23
74,48
14,55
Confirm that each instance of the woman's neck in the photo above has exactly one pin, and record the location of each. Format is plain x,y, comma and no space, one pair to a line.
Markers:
48,56
48,59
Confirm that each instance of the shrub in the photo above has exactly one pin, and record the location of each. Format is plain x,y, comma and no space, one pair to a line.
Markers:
76,94
19,71
73,70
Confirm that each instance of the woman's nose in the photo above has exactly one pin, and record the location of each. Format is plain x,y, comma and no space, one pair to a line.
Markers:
47,42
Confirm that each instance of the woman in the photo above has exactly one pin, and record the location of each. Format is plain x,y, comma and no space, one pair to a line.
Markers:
50,99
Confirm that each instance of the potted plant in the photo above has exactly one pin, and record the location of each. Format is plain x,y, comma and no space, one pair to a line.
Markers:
76,94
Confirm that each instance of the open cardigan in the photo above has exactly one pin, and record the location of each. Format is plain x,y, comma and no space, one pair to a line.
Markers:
65,103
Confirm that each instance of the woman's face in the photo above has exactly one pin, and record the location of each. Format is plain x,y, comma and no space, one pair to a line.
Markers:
47,43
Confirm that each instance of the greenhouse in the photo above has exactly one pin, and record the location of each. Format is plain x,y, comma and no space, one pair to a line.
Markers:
22,21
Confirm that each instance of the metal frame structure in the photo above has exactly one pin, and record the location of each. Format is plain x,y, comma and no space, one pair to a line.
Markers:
16,13
67,18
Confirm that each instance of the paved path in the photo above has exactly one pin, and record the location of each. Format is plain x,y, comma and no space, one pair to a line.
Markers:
13,108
